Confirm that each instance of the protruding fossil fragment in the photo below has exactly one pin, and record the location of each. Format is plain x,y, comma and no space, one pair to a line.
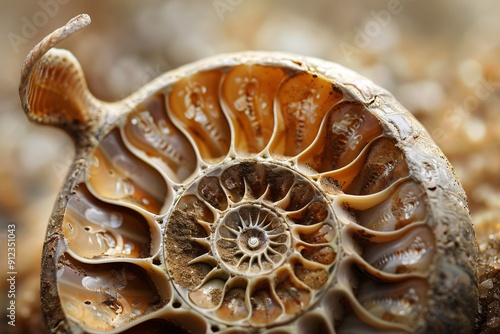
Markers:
249,192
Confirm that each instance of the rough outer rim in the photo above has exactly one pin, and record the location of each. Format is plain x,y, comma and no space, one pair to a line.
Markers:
453,278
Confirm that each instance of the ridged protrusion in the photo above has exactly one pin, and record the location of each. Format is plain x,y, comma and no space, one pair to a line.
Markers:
53,89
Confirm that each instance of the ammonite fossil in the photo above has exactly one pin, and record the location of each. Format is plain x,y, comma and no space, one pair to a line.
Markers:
249,192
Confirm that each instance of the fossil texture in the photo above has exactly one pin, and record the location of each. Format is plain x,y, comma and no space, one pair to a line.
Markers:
250,192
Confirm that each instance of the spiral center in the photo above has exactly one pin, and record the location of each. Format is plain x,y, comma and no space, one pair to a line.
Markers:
251,239
253,242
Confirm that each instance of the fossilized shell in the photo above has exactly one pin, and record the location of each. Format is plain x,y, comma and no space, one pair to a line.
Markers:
249,192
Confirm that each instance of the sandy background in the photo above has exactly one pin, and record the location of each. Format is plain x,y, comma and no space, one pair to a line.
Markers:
440,59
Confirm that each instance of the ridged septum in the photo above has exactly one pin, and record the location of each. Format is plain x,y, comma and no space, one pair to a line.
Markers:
251,193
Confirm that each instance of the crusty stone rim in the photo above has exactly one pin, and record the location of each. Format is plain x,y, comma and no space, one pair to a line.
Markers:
427,164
